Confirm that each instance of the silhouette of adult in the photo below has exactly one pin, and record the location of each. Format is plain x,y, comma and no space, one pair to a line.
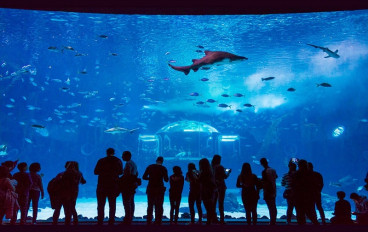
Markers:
36,189
129,183
342,210
9,197
78,179
176,189
192,177
220,176
250,185
22,189
156,174
317,180
68,182
288,181
269,177
361,208
108,170
303,189
208,187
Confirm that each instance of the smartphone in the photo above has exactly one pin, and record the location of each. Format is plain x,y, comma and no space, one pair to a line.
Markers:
294,160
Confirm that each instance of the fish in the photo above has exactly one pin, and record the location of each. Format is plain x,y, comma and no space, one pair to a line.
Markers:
324,85
238,95
223,105
3,150
205,79
328,51
267,78
120,130
9,105
37,126
28,140
114,54
83,72
199,51
200,46
200,103
225,95
194,94
53,49
210,58
211,100
80,54
291,89
248,105
68,48
103,36
238,110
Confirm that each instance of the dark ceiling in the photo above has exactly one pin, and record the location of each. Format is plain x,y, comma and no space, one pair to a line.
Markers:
191,7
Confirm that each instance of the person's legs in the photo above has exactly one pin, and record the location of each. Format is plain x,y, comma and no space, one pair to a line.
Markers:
172,207
191,206
55,216
320,209
271,204
177,207
159,210
199,207
67,205
128,202
101,201
150,202
112,207
74,211
221,199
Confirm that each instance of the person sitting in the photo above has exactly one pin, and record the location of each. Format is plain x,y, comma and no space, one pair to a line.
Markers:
361,208
7,195
342,210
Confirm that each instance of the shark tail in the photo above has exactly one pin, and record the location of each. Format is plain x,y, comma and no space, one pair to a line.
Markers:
184,69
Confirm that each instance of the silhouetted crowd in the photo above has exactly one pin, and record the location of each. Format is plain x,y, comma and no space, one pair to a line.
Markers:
303,187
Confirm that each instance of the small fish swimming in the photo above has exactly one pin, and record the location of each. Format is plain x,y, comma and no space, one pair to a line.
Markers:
211,100
238,95
103,36
239,110
199,51
114,54
324,85
205,79
248,105
37,126
28,140
68,48
200,46
83,72
120,130
194,94
225,95
291,89
223,105
267,78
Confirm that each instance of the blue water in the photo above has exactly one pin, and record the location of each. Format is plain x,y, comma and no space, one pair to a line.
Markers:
77,75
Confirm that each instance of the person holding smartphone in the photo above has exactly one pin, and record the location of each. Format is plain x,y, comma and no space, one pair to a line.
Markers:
220,174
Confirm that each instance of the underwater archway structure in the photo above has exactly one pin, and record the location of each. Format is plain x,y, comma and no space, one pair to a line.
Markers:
182,140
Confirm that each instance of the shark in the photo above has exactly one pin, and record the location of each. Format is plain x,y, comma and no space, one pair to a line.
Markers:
120,130
328,51
210,58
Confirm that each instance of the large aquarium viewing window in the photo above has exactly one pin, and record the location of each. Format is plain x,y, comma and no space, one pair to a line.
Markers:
186,87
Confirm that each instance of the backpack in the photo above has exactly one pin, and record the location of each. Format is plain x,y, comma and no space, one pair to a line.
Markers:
55,185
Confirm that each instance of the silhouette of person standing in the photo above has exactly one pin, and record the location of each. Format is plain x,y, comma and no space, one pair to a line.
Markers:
288,181
250,192
156,174
208,187
269,177
317,181
129,177
176,189
108,170
220,176
304,203
192,177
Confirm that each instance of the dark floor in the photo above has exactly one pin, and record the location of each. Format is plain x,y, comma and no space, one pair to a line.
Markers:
139,226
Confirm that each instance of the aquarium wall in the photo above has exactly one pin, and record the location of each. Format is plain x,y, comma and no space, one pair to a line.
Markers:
279,86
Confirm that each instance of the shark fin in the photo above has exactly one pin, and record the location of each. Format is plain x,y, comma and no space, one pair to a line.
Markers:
194,60
327,56
186,72
207,52
336,51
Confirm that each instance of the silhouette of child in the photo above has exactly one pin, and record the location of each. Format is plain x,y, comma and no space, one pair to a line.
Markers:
342,210
176,188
